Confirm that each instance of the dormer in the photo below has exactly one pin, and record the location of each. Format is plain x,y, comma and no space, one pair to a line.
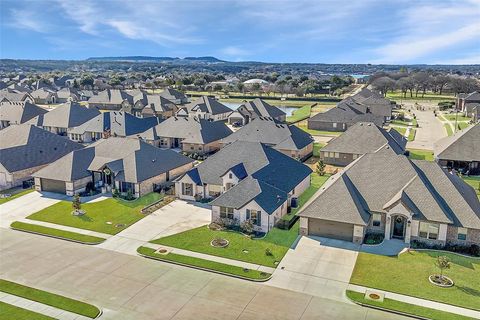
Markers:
233,176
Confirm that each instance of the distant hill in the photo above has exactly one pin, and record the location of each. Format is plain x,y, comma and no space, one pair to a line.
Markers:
156,59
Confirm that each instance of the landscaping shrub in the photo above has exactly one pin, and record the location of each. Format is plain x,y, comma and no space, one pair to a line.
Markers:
473,250
373,238
268,252
247,227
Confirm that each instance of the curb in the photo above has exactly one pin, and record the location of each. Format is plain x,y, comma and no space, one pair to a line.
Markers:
58,237
205,269
445,251
387,310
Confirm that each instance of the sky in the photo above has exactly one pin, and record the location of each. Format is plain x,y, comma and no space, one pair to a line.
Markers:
361,31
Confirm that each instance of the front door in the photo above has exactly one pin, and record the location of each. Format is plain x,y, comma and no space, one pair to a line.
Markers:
398,227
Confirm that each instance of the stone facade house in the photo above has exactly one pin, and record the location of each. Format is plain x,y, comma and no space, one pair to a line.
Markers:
44,96
248,181
13,113
255,109
111,99
359,139
152,105
463,99
389,194
127,165
207,108
288,139
175,96
25,149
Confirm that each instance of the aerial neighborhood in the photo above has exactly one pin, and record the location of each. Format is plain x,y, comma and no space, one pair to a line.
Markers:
358,186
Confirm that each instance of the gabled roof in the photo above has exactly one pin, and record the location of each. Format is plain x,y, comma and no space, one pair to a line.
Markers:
258,160
131,160
13,95
345,113
111,96
118,123
366,137
155,102
19,112
67,115
26,146
42,93
207,105
474,96
172,94
464,145
376,180
66,93
191,129
260,108
250,189
273,133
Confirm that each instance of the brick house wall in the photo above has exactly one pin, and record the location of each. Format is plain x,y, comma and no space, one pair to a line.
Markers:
343,159
376,229
14,179
327,126
301,154
473,236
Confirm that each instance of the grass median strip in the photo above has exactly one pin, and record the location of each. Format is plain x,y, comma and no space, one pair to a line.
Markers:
9,312
406,308
68,235
205,264
50,299
14,195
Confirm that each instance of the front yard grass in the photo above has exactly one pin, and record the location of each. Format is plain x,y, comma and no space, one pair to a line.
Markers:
49,298
15,194
401,130
107,216
205,264
67,235
300,114
448,128
408,274
316,148
405,307
459,117
411,134
419,154
9,312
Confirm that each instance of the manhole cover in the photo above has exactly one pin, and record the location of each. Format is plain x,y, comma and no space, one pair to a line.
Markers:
119,225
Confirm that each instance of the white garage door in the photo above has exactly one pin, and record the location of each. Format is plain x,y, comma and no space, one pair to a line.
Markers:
330,229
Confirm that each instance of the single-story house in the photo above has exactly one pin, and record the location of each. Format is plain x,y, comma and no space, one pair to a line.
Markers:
127,165
394,196
111,99
64,117
9,95
375,103
460,151
190,134
206,108
472,110
66,95
111,124
44,96
152,105
248,181
465,98
361,138
25,149
175,96
18,112
256,109
288,139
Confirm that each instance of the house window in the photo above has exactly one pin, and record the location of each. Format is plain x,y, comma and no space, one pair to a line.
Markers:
226,212
255,217
187,189
334,124
462,233
337,155
354,156
230,176
376,219
428,230
228,186
214,191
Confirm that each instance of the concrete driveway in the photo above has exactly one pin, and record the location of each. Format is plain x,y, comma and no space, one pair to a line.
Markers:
24,206
132,287
173,218
429,131
317,266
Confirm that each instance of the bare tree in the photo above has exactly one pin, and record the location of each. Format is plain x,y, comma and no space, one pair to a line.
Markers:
405,85
383,84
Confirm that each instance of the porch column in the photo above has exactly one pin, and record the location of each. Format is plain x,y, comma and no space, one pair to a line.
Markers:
408,230
388,223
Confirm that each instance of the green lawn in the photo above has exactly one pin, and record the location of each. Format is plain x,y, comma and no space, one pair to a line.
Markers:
408,274
448,128
10,312
15,194
205,264
119,213
316,148
56,233
300,114
400,122
50,299
474,181
318,132
401,130
462,125
411,134
460,117
418,154
405,307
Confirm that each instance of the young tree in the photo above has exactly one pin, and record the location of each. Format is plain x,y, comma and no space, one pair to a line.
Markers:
76,203
320,168
442,263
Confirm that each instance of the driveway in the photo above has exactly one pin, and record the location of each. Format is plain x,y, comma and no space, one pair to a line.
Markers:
317,266
429,131
132,287
177,216
24,206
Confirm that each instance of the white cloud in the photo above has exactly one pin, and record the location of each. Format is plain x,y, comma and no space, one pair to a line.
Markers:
234,51
28,20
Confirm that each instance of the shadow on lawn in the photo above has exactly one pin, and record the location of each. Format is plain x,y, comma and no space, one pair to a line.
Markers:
455,259
469,291
85,218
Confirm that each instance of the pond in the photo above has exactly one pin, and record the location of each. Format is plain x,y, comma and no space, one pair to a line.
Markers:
287,110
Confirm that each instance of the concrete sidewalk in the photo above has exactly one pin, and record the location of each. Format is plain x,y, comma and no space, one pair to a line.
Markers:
67,228
420,302
204,256
40,307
